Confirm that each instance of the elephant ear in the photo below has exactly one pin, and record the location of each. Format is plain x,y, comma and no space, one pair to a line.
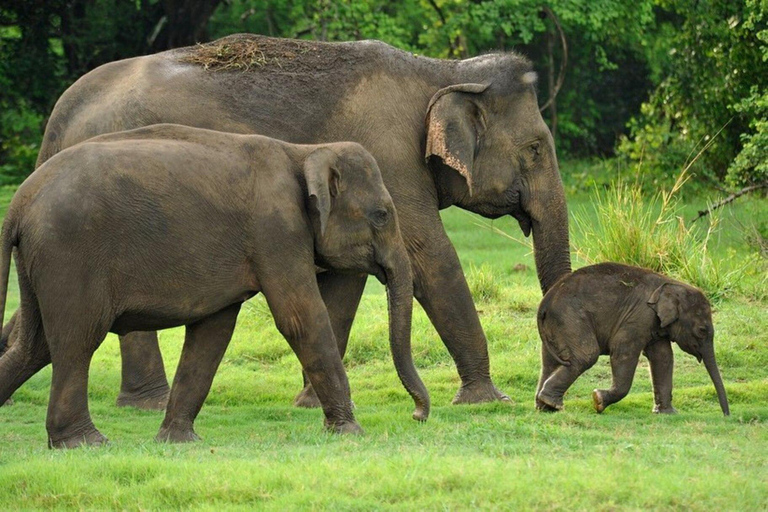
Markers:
323,182
451,129
665,303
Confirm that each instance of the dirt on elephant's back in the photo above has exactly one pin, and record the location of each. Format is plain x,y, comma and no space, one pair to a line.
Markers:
247,52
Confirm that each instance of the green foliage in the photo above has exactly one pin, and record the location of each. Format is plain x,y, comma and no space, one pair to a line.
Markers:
20,136
751,164
711,88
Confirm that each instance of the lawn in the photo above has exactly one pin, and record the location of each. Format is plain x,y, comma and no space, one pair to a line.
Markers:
260,452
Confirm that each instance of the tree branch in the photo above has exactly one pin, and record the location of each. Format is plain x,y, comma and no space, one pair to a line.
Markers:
730,199
561,77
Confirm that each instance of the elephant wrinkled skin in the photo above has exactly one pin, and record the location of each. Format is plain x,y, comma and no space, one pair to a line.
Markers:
621,311
171,225
465,133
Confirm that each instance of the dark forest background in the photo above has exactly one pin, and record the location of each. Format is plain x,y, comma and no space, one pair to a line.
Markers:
649,82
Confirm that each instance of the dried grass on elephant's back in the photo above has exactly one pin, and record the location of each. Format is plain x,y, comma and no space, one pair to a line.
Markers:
247,53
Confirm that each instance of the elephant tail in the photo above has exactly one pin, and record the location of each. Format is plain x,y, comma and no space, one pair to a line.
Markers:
8,240
560,353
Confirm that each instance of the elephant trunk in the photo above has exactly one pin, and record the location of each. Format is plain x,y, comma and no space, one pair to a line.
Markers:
397,267
549,223
708,356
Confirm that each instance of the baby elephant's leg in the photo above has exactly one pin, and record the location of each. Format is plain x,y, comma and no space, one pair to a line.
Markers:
584,354
204,346
623,366
548,367
661,360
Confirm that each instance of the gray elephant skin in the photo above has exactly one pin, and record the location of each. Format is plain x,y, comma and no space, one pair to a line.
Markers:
170,225
621,311
465,133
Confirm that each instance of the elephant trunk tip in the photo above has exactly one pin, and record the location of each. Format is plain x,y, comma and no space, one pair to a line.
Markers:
421,413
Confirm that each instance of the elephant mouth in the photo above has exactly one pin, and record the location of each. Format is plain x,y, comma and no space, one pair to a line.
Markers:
380,274
525,222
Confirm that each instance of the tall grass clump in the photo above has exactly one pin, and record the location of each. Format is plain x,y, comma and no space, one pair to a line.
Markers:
483,284
628,226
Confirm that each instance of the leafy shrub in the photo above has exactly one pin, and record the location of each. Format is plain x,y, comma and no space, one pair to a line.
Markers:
20,137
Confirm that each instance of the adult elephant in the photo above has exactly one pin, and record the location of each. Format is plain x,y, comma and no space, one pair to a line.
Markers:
444,132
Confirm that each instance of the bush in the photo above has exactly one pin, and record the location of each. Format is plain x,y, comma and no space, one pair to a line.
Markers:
636,229
20,137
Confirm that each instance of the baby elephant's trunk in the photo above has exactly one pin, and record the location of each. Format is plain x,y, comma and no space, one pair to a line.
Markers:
708,355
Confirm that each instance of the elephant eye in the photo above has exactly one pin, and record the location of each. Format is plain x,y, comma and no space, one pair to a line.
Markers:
379,217
701,331
535,148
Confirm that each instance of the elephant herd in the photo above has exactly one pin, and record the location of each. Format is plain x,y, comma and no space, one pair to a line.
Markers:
170,188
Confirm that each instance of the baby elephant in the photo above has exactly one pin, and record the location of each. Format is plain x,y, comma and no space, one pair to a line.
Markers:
621,311
169,225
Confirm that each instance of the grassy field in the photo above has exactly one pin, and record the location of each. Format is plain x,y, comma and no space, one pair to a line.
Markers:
259,452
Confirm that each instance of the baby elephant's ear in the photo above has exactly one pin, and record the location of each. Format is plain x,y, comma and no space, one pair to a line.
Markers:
664,302
322,175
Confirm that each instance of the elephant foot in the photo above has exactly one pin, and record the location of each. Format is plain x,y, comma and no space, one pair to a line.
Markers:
153,400
91,438
478,392
598,400
544,407
307,398
344,427
548,403
177,434
657,409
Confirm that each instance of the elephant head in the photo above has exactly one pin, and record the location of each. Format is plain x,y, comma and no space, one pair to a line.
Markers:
356,230
685,313
491,153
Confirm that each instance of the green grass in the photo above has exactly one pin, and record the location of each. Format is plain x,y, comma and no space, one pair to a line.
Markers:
259,452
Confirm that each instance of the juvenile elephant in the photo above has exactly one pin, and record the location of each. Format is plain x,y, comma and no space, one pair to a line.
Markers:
621,311
170,225
444,132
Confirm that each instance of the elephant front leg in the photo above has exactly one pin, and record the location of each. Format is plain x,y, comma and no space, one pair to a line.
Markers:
341,294
144,384
301,317
623,366
204,345
440,287
661,360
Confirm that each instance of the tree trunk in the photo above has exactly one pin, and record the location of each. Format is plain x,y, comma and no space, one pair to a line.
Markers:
187,23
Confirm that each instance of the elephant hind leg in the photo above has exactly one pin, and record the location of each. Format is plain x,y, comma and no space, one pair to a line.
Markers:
143,384
68,422
205,343
75,325
584,356
548,367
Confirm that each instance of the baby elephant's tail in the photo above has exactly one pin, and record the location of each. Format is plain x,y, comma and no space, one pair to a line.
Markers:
559,352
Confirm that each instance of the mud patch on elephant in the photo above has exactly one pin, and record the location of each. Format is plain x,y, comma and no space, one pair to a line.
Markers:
252,53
